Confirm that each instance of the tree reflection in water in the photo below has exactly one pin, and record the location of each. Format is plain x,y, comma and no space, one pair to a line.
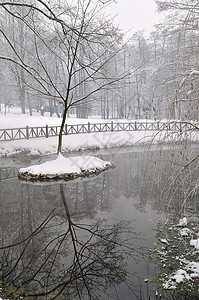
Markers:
67,259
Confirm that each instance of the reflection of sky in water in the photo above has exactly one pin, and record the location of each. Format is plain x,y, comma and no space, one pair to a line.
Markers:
124,193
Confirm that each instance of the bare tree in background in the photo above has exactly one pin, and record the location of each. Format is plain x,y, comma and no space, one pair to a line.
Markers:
180,31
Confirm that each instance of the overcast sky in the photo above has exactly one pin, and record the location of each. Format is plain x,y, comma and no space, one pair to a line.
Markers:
139,14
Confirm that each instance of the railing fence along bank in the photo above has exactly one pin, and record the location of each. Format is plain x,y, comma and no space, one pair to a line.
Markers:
49,131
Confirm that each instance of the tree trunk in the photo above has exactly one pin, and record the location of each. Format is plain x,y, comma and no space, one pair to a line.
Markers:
61,129
22,91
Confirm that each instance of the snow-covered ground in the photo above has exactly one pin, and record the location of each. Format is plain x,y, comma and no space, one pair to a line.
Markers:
20,121
15,119
77,142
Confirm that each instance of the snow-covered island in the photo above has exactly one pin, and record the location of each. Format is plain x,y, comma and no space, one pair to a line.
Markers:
65,168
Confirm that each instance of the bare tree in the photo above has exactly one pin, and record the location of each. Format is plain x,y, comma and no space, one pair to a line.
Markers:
66,62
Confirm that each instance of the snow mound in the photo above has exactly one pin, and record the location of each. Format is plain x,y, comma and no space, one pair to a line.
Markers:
65,168
182,222
195,243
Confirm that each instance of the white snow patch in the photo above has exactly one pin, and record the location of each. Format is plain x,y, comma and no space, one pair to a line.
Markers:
164,241
195,243
190,92
185,232
182,81
194,72
21,121
62,165
181,275
194,268
169,284
182,222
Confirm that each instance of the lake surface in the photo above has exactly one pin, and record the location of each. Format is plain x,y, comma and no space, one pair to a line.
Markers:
89,237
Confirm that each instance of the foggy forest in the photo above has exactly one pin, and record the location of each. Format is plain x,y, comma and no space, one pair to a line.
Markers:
113,77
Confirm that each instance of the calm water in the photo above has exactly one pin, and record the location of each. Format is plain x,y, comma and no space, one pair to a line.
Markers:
90,236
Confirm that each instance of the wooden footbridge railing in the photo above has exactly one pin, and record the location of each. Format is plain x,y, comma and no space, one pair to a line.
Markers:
49,131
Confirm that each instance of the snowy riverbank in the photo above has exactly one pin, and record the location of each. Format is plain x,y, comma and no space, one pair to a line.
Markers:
77,142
